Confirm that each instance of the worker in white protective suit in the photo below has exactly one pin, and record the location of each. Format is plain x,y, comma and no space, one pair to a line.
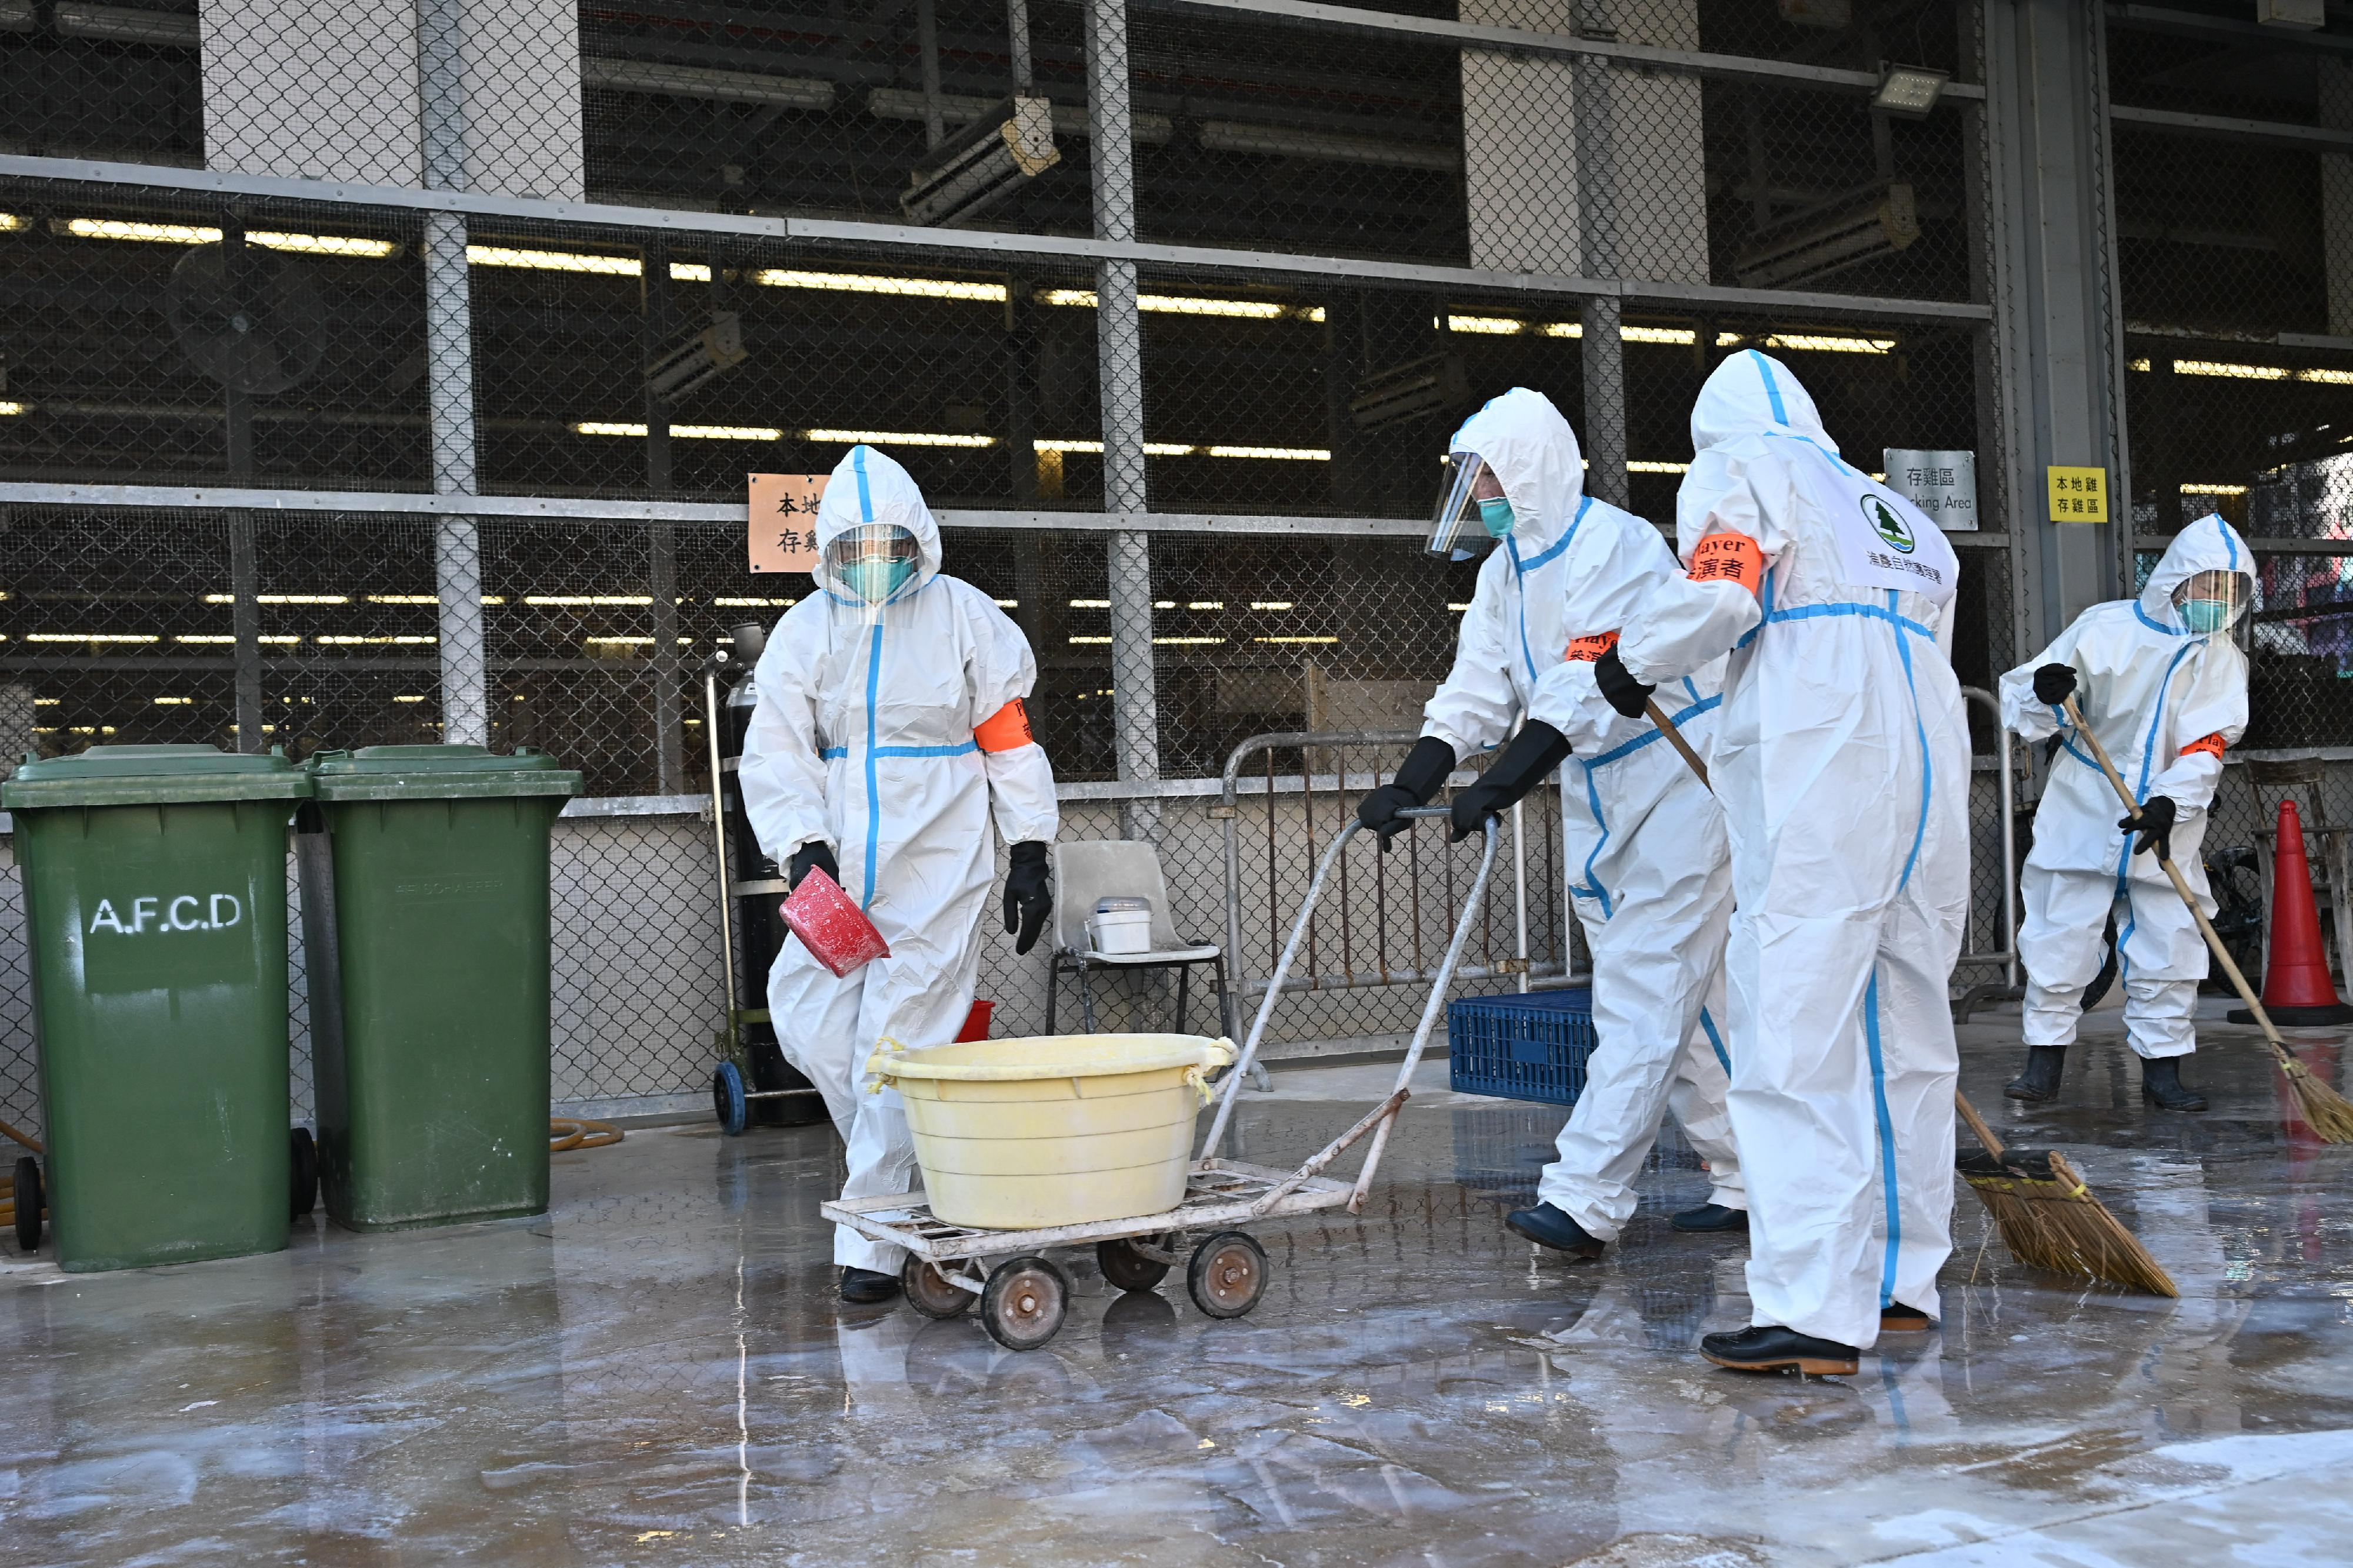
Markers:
1842,757
1643,839
890,733
2165,690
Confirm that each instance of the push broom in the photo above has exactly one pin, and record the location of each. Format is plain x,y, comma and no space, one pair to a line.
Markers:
2045,1212
2328,1112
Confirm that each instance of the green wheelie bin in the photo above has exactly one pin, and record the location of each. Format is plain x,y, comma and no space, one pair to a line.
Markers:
424,891
155,906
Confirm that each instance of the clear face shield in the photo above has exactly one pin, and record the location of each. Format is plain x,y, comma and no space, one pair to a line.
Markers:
869,564
1472,512
2211,601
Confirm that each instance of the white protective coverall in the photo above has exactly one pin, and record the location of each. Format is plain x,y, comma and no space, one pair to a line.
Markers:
863,737
2164,702
1643,839
1842,760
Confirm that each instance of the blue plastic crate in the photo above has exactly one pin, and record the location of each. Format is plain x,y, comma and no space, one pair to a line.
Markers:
1530,1046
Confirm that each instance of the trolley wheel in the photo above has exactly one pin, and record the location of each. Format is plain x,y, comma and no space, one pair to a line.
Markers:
302,1171
929,1292
1227,1274
30,1204
727,1098
1127,1268
1026,1301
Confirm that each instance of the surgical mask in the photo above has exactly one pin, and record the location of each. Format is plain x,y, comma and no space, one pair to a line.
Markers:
875,581
871,561
2209,601
1495,511
2202,615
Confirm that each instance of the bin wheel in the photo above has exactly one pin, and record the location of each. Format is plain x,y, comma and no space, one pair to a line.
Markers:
30,1200
1227,1274
929,1292
1026,1301
302,1168
1127,1268
727,1098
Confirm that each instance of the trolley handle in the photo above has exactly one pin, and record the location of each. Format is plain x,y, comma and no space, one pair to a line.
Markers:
1298,934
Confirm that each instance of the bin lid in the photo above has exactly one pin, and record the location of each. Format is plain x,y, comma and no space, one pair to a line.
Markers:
439,773
148,775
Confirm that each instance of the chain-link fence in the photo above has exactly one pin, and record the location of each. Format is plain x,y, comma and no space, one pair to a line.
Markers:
397,380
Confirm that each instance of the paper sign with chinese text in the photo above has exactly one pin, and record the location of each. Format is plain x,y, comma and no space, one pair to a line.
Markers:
2078,495
784,522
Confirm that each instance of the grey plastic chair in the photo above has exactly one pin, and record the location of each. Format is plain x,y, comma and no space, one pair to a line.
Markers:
1089,870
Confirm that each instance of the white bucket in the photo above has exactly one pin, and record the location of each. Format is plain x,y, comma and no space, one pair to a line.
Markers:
1121,927
1058,1130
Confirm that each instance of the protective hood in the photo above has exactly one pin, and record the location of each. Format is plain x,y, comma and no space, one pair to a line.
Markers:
1535,453
2210,544
869,486
1754,393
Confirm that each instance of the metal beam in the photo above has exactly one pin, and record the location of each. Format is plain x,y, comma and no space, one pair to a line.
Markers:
2267,133
968,243
577,509
2338,547
1469,35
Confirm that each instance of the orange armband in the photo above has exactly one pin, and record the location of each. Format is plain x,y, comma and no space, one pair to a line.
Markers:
1728,558
1004,730
2211,744
1585,650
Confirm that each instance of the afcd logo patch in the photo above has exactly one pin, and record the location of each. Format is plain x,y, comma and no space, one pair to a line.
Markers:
1893,529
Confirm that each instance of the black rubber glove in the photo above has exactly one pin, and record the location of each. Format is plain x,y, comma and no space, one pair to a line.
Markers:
1618,685
2054,683
1028,898
1418,778
814,855
2154,823
1527,762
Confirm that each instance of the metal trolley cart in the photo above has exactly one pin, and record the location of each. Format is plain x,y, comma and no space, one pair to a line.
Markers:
1024,1294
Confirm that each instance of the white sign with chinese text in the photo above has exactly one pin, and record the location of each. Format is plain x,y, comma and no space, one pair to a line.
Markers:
1943,485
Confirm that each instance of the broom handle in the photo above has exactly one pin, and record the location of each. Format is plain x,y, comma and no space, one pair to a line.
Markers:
2180,884
1993,1145
1675,739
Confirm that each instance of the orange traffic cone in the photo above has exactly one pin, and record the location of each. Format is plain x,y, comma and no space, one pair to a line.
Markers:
2297,987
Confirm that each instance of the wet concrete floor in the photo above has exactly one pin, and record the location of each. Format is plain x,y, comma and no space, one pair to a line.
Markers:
658,1372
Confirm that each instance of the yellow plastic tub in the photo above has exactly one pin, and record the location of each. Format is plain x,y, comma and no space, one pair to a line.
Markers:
1053,1129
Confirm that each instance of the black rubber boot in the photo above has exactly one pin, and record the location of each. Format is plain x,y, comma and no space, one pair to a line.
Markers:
866,1287
2040,1081
2162,1086
1777,1349
1710,1216
1548,1227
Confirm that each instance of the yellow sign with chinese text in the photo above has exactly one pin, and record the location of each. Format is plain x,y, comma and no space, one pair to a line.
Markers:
2078,495
784,522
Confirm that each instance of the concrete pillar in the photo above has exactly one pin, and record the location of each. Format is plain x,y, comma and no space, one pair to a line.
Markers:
2057,334
1553,184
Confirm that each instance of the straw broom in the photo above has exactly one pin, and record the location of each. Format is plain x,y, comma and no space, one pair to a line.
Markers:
2328,1112
2046,1212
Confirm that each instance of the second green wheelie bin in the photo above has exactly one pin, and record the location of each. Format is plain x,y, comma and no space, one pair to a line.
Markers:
155,905
433,1072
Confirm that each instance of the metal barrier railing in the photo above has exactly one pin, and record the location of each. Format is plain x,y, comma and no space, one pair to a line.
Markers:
1379,971
2006,788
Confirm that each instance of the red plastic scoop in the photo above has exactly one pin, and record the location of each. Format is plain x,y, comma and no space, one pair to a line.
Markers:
831,925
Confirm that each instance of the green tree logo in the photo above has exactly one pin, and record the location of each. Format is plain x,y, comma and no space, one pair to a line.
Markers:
1885,523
